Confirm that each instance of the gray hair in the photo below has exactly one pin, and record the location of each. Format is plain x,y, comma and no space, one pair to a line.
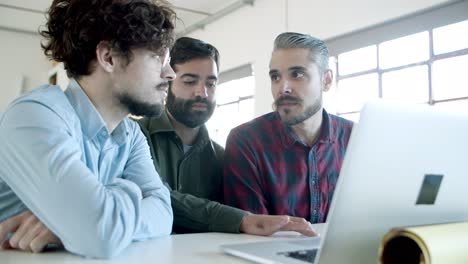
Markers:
317,48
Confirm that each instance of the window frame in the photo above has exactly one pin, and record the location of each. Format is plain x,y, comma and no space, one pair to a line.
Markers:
426,20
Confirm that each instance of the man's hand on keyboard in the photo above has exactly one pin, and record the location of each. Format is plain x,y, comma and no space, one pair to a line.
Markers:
266,225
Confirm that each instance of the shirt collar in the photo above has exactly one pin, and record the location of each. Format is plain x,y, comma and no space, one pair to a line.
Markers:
92,123
160,124
163,124
288,137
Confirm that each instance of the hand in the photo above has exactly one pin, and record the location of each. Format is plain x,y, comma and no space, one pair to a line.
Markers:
265,225
28,233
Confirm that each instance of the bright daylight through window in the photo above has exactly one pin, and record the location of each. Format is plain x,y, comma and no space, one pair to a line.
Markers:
426,67
235,105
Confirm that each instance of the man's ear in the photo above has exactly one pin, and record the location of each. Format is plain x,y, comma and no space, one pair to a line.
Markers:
104,56
327,80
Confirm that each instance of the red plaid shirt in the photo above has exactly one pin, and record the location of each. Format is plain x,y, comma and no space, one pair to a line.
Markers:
268,170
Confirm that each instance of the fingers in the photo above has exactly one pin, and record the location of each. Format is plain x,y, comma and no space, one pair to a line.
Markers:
269,224
28,233
27,226
266,225
300,225
263,225
34,230
42,240
39,243
10,226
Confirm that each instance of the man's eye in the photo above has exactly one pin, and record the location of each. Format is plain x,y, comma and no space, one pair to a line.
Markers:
297,74
274,77
211,85
190,83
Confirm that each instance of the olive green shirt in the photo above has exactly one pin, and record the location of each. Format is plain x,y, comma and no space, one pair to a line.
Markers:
194,178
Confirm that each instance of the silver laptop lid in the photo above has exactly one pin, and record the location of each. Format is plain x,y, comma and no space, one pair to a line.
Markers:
405,165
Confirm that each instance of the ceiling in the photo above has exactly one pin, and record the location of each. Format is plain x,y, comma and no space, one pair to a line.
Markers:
27,15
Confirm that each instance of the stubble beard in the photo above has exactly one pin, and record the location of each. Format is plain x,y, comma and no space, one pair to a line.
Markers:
289,119
139,108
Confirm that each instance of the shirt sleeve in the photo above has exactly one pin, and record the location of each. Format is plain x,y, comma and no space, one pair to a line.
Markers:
156,212
199,214
41,161
242,180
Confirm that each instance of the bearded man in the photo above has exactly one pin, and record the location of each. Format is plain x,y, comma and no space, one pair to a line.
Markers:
189,162
288,161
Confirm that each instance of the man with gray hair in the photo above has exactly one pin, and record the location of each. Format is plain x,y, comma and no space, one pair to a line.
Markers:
288,161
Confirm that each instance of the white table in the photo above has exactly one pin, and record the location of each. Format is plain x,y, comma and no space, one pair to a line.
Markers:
187,248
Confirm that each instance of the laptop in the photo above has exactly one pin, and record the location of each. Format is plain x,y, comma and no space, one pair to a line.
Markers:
405,165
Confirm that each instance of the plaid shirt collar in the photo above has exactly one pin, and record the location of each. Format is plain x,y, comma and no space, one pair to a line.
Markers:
289,138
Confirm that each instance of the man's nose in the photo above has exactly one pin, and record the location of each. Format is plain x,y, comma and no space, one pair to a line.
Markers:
284,87
201,90
168,73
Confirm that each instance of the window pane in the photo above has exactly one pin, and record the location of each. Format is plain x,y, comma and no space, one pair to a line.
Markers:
358,60
231,91
246,110
329,97
450,38
449,78
226,117
223,120
353,117
459,106
332,65
406,85
352,93
405,50
226,92
245,86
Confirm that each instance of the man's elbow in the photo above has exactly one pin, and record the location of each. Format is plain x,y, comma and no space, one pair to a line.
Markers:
108,250
167,228
99,248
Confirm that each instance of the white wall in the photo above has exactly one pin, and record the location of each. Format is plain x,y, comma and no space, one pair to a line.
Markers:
23,66
23,20
247,35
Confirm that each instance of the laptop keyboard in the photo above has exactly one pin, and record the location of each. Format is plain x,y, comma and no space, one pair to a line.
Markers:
304,255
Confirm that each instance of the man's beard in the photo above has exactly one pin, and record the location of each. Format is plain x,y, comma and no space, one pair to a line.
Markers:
181,110
138,108
310,110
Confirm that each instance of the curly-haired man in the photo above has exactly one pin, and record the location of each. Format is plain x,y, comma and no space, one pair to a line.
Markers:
74,170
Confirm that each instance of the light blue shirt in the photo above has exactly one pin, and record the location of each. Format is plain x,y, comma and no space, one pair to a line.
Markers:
96,191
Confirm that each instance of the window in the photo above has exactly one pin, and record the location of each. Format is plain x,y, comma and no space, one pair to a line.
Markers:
329,98
235,102
358,60
405,50
406,85
449,78
451,38
420,59
354,92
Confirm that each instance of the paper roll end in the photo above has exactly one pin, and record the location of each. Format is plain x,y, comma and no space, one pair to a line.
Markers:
402,250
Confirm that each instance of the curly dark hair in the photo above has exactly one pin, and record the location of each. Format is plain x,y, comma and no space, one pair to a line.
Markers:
76,27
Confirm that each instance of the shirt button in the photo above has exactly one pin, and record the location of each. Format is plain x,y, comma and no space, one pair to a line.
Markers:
313,182
315,211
